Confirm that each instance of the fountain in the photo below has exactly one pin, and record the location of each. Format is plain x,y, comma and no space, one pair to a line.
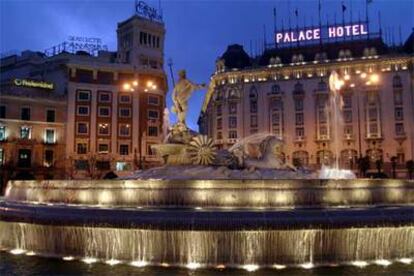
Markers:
243,207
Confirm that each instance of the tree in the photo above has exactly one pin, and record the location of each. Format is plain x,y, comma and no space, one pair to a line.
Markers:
410,168
394,166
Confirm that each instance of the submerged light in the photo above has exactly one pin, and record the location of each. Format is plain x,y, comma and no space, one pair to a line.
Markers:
383,262
68,258
405,260
17,251
112,262
307,265
193,265
359,263
89,260
139,263
250,267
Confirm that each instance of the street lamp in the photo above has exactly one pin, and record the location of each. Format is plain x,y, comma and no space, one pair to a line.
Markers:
133,86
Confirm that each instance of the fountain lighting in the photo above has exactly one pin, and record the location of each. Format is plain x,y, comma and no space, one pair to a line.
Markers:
68,258
193,265
359,263
307,265
278,266
89,260
220,266
198,208
165,265
383,262
17,251
139,263
250,267
405,260
31,253
112,262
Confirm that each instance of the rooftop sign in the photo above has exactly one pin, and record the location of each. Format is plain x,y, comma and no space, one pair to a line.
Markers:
326,32
34,84
143,9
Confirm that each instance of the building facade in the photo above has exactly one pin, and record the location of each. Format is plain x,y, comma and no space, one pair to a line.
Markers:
285,91
77,115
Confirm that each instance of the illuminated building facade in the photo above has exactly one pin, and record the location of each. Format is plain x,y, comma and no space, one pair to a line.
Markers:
108,108
285,91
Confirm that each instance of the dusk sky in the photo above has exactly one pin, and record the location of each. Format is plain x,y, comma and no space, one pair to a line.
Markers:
197,31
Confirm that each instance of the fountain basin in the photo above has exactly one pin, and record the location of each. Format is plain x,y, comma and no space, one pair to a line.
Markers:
215,193
213,223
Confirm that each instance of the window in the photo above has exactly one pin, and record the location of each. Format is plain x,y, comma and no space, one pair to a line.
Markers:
299,119
103,129
81,165
398,97
81,148
232,122
104,111
399,114
104,97
322,116
219,123
153,131
399,129
123,149
276,119
300,132
25,113
348,131
298,104
82,128
219,135
396,81
276,105
153,114
149,150
124,98
253,106
232,108
50,115
2,111
103,165
25,132
25,158
373,130
84,96
348,116
253,121
124,130
218,110
123,166
2,133
2,159
347,99
48,161
323,131
153,100
372,113
83,110
125,112
85,76
103,148
50,136
232,134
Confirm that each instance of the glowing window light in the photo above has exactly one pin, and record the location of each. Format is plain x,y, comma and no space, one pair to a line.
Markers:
363,75
150,83
139,263
135,83
250,267
347,77
374,78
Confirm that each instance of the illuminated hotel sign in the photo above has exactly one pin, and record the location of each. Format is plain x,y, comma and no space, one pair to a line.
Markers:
329,32
33,83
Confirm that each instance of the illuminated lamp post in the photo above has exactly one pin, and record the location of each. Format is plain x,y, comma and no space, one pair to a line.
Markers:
133,86
365,79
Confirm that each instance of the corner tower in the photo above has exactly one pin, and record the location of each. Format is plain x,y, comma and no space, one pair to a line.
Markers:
141,39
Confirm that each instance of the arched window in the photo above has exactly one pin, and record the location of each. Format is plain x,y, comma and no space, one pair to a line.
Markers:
233,93
298,90
324,157
322,86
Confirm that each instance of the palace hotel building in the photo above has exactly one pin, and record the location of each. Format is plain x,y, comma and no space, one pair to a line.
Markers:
77,115
285,91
